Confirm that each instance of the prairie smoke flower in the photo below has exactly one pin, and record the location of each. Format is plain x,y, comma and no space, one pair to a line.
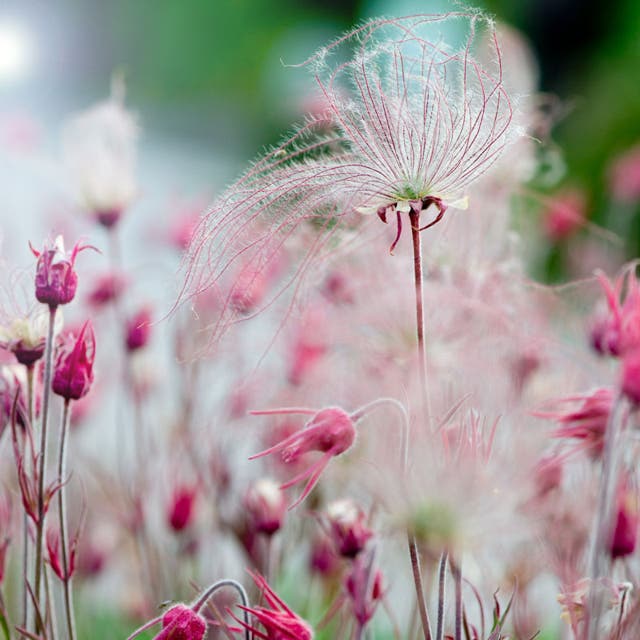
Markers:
25,337
410,124
181,507
99,148
55,560
13,385
56,280
330,431
624,536
73,370
347,527
106,289
266,506
585,419
278,621
138,330
364,588
618,331
564,214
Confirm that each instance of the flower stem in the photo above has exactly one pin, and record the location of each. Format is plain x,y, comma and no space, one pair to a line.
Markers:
442,585
42,459
456,572
62,516
25,518
599,558
414,217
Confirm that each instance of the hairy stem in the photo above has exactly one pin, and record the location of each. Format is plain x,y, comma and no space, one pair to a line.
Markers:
25,518
62,516
456,572
42,460
442,585
422,368
599,559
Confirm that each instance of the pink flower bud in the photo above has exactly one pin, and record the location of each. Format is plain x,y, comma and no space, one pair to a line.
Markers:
138,330
266,506
347,527
73,371
625,535
564,215
182,623
624,176
330,431
278,621
106,289
631,376
181,508
55,557
56,280
323,558
548,475
364,588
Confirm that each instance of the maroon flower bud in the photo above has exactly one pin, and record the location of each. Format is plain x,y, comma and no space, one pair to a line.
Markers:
106,289
56,280
364,588
323,559
55,558
631,376
625,535
182,623
347,527
266,506
278,621
138,330
73,371
181,508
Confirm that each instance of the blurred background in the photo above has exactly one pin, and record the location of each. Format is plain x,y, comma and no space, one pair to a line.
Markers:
209,82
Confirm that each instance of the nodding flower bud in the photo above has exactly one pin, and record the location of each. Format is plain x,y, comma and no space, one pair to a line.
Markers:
56,280
266,506
330,431
182,623
364,588
278,621
347,527
182,508
630,384
25,337
138,330
106,289
73,371
625,535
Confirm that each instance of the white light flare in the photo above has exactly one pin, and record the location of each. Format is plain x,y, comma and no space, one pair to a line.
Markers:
16,51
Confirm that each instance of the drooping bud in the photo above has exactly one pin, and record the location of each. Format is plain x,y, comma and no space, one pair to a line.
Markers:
347,527
181,507
278,621
630,384
625,534
73,371
106,290
323,558
266,506
330,431
25,338
364,588
182,623
138,330
564,215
